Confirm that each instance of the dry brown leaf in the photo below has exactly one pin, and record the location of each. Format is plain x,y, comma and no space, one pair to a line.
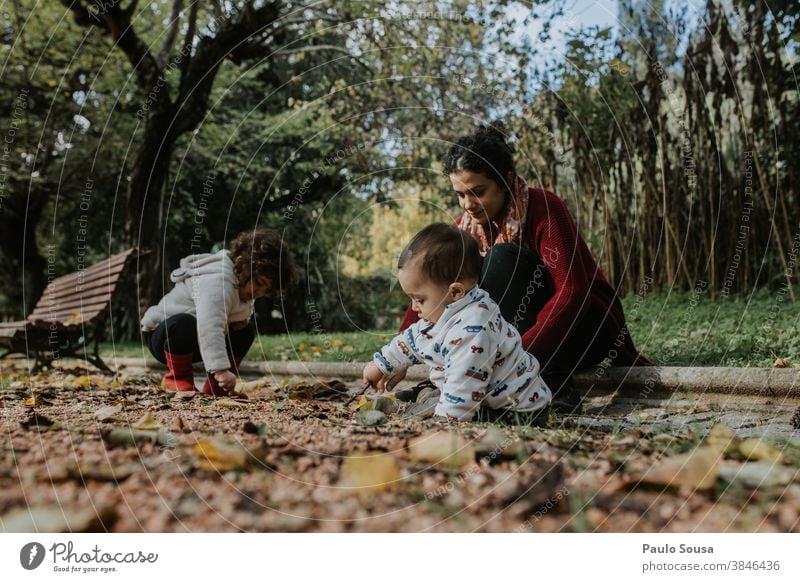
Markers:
147,422
758,450
369,472
57,519
230,404
218,455
107,412
495,445
38,422
101,472
129,437
695,470
441,448
759,475
178,424
722,438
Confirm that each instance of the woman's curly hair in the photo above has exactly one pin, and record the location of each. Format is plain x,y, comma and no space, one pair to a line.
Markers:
265,255
485,151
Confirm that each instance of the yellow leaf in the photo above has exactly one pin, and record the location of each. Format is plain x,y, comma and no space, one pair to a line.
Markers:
364,403
757,450
217,455
369,472
722,438
698,470
147,422
34,401
441,448
83,382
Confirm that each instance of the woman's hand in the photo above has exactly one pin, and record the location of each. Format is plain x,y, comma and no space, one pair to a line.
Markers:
226,380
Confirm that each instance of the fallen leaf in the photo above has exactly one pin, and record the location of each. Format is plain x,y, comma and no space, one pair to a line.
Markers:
759,475
83,382
495,445
722,438
34,401
441,448
178,425
58,519
695,470
364,403
369,472
218,455
129,437
251,427
147,422
38,422
107,412
230,404
101,472
370,417
758,450
781,363
387,404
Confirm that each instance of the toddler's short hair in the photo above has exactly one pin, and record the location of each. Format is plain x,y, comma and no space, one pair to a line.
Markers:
450,254
266,255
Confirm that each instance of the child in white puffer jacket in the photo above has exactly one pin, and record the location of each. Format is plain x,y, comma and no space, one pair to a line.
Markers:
208,313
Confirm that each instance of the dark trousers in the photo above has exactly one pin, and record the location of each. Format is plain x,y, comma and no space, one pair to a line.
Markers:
517,280
178,335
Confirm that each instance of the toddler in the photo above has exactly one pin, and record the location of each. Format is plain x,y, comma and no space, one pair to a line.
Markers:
474,355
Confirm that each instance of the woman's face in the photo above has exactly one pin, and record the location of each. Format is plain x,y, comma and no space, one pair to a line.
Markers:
480,197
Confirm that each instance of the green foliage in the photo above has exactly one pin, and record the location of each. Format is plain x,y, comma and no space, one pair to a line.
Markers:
689,329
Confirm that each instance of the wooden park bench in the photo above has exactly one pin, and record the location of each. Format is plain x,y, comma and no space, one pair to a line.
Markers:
70,315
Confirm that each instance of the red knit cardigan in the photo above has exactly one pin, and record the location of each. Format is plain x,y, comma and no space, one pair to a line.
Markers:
577,280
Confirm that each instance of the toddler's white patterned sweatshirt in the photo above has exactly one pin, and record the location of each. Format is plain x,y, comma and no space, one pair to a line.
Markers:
475,358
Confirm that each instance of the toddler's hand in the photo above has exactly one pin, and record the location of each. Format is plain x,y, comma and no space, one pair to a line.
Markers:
395,378
373,376
226,379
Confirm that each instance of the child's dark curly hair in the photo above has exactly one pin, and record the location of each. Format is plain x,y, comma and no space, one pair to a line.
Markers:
485,151
265,255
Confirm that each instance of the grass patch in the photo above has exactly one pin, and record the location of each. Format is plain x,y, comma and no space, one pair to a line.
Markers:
672,329
687,329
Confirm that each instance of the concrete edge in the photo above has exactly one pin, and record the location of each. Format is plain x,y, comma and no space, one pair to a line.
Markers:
639,382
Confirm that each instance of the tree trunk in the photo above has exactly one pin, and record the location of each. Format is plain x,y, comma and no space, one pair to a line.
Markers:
144,224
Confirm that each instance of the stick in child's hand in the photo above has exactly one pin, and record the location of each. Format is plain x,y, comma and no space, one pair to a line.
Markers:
364,388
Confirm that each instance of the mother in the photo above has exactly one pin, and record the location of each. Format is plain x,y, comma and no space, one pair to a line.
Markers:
536,266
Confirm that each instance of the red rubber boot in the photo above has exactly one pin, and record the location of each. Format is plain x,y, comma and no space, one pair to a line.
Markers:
179,377
212,388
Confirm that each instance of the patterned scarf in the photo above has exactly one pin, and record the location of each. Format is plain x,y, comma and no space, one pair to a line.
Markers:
508,226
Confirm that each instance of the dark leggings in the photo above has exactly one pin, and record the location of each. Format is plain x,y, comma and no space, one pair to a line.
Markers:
178,335
517,280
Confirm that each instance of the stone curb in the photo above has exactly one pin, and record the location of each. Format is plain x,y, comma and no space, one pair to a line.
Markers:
640,382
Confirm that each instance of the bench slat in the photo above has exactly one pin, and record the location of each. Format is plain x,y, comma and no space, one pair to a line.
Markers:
87,291
104,265
76,304
111,274
70,317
